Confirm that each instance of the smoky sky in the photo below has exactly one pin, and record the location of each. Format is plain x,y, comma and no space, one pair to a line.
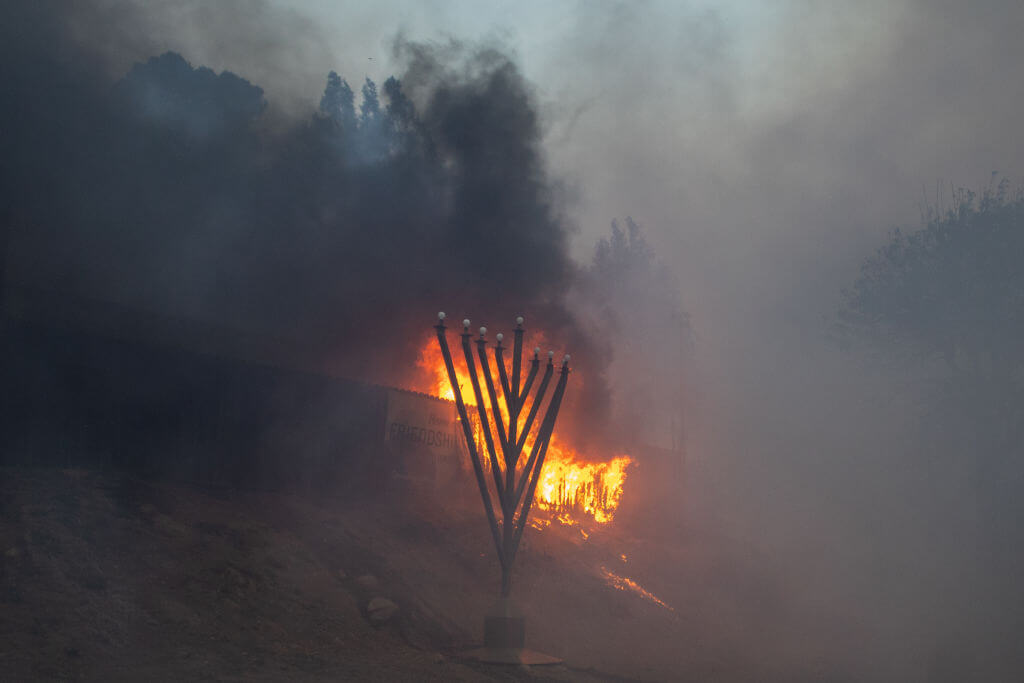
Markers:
765,151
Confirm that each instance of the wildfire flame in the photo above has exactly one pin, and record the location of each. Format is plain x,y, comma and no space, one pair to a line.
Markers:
624,583
571,488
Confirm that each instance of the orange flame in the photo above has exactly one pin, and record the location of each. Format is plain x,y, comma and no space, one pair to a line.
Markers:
432,362
570,488
624,583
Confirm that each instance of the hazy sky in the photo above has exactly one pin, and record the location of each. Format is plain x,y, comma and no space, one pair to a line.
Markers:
765,147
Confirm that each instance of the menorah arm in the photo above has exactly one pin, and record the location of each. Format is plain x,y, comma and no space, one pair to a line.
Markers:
506,389
524,478
537,400
478,470
485,425
535,452
534,364
541,446
499,421
532,478
517,367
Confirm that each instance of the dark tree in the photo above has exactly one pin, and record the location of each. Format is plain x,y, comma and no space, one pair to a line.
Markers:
373,129
951,295
629,289
338,102
169,92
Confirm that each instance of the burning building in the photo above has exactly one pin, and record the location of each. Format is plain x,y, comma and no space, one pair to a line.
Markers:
90,383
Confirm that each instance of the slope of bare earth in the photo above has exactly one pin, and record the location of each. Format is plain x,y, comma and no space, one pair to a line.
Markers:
107,577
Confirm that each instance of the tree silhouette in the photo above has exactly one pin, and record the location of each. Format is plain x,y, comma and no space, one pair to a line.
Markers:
338,102
634,293
951,295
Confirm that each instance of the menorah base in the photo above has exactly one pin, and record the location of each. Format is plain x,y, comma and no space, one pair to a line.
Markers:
504,638
505,626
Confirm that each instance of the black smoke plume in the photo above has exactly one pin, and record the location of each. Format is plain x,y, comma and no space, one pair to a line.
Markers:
339,235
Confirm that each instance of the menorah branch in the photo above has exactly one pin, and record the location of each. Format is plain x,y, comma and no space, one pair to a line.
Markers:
537,399
517,365
482,412
499,421
506,391
544,439
478,471
534,364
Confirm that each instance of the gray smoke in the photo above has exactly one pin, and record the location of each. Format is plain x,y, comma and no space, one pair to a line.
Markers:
341,231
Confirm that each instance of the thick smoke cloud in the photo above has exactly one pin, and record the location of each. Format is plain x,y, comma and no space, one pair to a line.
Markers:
767,151
340,234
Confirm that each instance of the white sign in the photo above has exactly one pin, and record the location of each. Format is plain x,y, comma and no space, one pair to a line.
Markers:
424,422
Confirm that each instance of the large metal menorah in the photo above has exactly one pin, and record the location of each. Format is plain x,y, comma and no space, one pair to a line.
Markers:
514,486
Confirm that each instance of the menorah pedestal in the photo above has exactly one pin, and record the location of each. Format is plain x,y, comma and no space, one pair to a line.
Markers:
505,637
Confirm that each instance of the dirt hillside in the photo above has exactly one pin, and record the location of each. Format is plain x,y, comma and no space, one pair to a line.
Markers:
108,577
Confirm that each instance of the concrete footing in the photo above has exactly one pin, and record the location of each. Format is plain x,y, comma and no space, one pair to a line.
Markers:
505,638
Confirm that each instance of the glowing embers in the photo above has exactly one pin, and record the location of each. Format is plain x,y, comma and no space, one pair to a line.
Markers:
539,524
571,488
624,583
